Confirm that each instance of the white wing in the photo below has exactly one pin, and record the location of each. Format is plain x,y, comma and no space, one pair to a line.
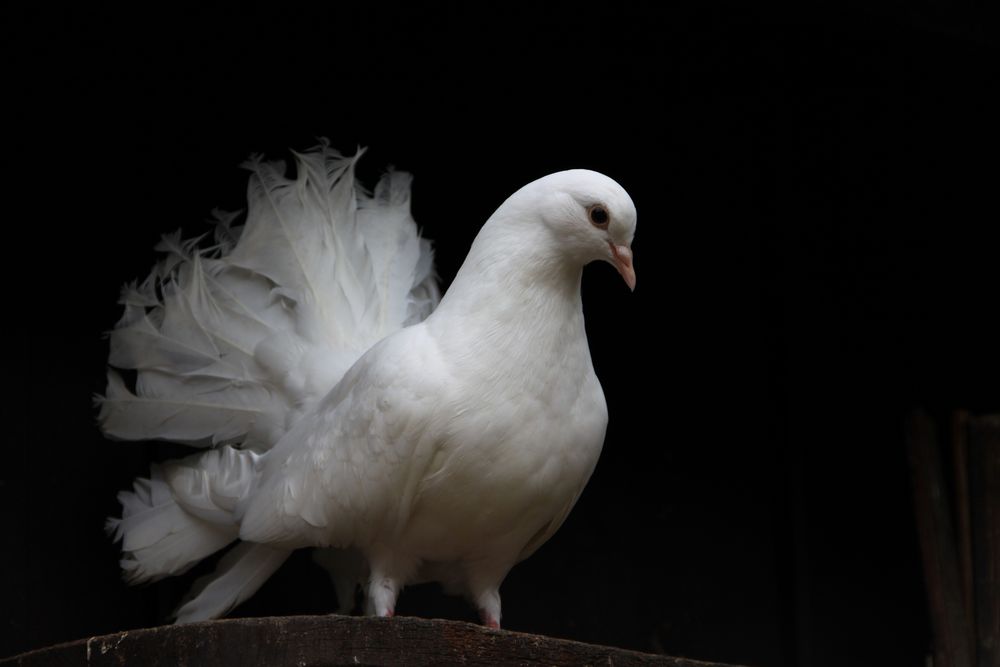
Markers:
354,467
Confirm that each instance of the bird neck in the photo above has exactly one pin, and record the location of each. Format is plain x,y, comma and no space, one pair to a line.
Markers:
514,267
514,294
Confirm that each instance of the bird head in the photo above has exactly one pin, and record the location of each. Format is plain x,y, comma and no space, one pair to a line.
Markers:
590,215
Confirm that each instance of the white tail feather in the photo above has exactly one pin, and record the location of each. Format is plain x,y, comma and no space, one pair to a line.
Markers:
234,342
261,326
191,414
211,485
239,574
159,538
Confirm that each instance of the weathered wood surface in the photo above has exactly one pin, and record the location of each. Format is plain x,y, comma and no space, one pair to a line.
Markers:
332,640
984,469
961,567
953,643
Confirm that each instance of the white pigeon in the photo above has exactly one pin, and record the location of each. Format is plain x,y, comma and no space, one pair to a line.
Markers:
344,407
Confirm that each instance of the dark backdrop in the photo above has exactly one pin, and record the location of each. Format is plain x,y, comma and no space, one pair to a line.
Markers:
816,254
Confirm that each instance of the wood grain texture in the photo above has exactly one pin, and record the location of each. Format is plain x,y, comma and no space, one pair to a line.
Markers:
333,640
952,629
984,473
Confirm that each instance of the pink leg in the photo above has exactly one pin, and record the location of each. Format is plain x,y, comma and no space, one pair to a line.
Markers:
382,592
488,620
385,582
489,608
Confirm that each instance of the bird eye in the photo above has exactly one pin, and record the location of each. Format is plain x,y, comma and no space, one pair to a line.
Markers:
598,216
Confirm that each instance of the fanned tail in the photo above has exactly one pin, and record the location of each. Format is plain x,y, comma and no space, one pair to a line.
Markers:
233,342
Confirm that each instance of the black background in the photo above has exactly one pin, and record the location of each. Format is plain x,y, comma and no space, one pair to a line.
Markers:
816,254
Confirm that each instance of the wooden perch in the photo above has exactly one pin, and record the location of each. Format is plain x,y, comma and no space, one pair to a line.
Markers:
333,640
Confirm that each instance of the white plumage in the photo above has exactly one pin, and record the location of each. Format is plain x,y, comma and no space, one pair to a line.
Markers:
344,406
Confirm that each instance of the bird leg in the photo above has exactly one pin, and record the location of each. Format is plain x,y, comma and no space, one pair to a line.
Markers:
382,593
483,586
388,574
489,608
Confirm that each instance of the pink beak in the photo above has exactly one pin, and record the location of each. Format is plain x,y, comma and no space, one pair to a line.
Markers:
622,255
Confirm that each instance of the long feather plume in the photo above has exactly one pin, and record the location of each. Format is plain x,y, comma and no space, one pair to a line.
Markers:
232,342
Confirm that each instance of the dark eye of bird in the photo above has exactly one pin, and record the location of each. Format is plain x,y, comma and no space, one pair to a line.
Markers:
599,215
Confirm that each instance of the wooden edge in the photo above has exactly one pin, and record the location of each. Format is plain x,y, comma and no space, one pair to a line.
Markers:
963,513
984,474
333,640
951,628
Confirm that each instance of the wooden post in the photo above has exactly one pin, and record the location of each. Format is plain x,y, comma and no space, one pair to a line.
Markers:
984,488
950,625
963,512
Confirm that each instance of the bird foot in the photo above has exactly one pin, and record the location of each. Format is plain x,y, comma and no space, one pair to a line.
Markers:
489,620
488,604
382,592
